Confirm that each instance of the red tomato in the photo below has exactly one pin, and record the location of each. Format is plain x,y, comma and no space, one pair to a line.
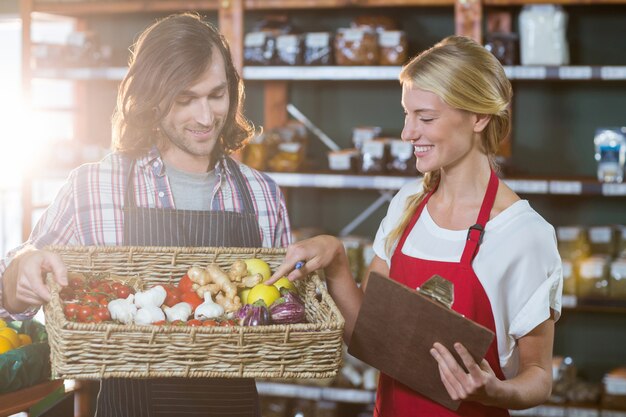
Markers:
123,291
185,284
71,310
76,282
84,313
90,300
67,294
104,301
101,314
178,323
209,323
173,295
160,323
192,298
194,323
228,323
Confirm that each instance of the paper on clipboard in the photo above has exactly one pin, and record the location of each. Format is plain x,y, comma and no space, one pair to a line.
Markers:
396,328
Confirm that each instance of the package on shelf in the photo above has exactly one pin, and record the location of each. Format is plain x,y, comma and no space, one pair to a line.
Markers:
282,149
543,35
614,393
503,45
602,240
393,46
610,152
375,156
344,160
593,277
356,46
289,50
362,134
402,157
318,48
259,45
568,387
573,243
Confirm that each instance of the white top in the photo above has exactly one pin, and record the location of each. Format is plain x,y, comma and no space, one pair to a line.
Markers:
517,264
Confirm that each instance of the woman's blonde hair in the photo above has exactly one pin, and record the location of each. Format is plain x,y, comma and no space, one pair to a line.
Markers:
169,56
466,77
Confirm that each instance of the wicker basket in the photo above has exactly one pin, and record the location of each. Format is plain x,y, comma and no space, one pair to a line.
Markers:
104,350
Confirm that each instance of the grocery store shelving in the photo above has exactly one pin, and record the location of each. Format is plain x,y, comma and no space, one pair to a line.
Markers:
363,73
383,182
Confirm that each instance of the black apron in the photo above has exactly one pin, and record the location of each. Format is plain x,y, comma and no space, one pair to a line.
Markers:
189,397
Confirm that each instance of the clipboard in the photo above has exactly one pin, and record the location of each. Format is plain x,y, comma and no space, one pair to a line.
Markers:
396,328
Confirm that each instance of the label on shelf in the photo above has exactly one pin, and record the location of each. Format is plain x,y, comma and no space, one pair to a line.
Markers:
569,301
352,35
575,73
317,39
566,187
613,73
582,412
389,38
613,189
530,73
600,234
289,390
528,186
550,411
287,41
612,413
568,233
254,39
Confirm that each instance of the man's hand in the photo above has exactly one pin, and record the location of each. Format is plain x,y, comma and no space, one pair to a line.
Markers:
24,283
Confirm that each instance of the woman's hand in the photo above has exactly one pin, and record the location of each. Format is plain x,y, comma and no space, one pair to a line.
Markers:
320,252
479,384
24,282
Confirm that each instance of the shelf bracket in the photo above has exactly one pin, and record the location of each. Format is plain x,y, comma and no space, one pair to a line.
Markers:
299,116
385,197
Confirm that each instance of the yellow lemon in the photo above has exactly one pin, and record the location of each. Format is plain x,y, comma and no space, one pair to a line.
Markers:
3,323
258,266
5,345
267,293
285,283
243,295
25,339
11,336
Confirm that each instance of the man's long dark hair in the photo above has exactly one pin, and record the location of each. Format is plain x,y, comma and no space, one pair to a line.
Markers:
168,57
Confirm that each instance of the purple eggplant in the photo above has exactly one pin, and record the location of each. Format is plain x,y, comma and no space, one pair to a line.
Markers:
257,315
288,309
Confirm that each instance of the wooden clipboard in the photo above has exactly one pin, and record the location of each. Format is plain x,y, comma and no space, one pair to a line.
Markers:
396,328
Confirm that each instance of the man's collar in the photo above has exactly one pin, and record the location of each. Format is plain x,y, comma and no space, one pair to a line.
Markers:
153,159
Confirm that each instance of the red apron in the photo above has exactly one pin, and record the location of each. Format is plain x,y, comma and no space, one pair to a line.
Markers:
470,299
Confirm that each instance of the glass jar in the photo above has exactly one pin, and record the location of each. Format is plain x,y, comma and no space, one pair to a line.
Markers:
593,277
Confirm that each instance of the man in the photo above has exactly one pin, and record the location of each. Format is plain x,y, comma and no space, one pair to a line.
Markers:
170,182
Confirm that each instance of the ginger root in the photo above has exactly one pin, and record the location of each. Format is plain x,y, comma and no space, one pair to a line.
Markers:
230,305
237,271
212,288
250,281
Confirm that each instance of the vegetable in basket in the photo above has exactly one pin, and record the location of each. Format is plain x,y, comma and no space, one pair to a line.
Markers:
257,315
288,309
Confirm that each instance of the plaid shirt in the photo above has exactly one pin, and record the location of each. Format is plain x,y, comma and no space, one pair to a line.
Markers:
89,208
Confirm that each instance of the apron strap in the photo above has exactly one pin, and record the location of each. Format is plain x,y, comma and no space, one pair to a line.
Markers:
416,215
241,184
129,195
475,233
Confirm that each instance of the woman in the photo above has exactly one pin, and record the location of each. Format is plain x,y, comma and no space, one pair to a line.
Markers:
456,99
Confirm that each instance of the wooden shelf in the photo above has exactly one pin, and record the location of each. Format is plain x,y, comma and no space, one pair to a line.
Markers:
333,4
120,7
